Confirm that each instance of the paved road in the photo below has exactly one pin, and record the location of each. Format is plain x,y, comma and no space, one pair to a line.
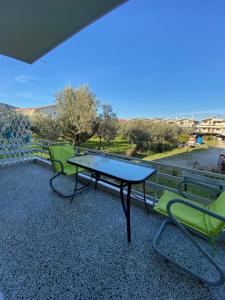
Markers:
208,159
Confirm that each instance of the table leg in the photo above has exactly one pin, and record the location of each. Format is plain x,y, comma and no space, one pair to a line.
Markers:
122,199
128,213
75,188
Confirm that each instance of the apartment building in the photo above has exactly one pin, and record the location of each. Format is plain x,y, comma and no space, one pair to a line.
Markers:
212,125
187,123
183,122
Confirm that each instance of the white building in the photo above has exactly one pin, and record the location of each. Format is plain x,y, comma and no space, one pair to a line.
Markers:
183,122
49,110
212,125
186,123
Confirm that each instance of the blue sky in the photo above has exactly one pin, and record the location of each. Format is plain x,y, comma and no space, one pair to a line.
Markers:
147,58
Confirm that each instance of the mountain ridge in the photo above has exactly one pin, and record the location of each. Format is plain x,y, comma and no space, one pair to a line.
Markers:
6,107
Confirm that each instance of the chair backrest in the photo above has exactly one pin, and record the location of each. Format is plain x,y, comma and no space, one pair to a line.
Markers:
61,153
215,226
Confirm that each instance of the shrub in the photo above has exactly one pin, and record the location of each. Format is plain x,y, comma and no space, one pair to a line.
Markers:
161,147
183,138
208,138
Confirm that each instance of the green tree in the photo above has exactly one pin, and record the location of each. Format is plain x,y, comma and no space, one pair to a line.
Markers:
164,135
77,113
150,135
45,126
138,133
108,124
162,131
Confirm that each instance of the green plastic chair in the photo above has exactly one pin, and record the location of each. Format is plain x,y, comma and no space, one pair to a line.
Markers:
188,215
59,155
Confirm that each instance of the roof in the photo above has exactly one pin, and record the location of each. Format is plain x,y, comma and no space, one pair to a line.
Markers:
185,119
46,106
30,28
26,111
214,118
122,120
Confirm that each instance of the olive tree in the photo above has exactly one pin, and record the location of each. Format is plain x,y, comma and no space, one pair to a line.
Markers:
77,113
45,126
108,124
138,133
151,136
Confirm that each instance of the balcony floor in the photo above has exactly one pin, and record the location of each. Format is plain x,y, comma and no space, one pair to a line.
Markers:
50,249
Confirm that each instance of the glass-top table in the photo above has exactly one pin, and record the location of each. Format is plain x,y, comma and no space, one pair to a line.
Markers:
127,173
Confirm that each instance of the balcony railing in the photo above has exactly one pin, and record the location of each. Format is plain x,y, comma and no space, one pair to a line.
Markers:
167,176
16,145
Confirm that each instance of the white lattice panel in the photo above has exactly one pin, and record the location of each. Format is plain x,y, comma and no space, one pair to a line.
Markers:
15,138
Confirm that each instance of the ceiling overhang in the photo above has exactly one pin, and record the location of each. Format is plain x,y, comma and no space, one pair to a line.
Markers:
31,28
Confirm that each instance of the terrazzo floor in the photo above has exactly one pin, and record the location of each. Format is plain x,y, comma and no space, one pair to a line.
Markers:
50,249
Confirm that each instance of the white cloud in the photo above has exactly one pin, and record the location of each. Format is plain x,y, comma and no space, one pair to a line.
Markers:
23,78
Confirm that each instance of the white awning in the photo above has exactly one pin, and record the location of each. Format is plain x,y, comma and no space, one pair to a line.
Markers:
31,28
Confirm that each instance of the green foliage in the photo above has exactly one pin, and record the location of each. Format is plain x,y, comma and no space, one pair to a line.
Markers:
183,138
163,132
151,136
138,133
77,113
45,126
77,120
159,147
108,124
208,138
122,129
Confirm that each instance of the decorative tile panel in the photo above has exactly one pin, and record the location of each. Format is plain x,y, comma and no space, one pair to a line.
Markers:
15,138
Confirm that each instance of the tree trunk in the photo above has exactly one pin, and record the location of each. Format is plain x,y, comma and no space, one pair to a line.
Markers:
77,141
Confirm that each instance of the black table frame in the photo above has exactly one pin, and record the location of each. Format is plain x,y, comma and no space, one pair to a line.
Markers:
123,183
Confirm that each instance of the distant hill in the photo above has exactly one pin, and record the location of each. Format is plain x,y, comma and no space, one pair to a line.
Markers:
6,107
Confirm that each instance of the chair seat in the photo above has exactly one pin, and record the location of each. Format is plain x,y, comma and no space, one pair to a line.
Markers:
185,214
70,169
198,221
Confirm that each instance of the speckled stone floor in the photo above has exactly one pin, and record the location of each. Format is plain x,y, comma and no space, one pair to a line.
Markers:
50,249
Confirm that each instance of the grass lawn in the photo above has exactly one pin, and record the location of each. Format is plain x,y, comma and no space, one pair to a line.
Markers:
117,146
175,151
120,146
